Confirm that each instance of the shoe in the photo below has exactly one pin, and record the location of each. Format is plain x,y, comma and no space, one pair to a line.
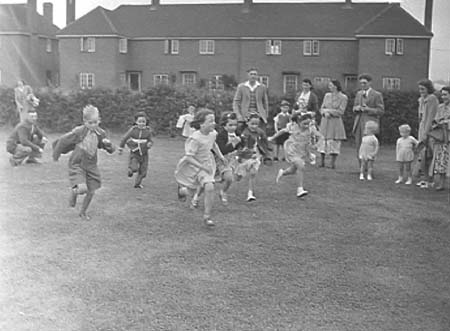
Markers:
301,192
130,173
250,197
408,181
208,221
279,175
223,197
32,160
138,186
399,180
369,177
73,198
420,183
182,193
361,177
275,159
424,185
84,217
194,203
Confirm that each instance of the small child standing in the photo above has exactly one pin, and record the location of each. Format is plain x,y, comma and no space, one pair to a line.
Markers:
139,140
229,144
184,122
405,153
298,149
368,150
197,167
84,140
255,147
280,122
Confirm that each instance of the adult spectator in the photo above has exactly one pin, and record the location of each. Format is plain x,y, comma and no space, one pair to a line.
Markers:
251,97
26,142
332,126
306,100
428,105
24,97
368,106
441,127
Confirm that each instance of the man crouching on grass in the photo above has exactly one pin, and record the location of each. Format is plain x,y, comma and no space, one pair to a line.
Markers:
26,142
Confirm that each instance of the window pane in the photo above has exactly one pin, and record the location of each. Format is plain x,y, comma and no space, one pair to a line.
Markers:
307,47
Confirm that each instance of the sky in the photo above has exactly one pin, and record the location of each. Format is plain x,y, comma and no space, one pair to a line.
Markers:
440,44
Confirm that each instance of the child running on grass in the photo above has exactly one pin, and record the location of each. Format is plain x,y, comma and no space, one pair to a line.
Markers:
197,167
255,147
84,141
298,149
406,146
280,122
139,140
368,150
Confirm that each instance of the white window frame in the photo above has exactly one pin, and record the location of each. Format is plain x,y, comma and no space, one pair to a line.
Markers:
315,47
285,83
399,46
189,78
123,79
87,44
87,80
216,82
273,47
264,79
389,46
171,46
48,45
311,47
349,78
123,45
160,79
206,46
321,80
391,83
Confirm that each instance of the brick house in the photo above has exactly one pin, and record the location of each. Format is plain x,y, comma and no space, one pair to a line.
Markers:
28,45
138,46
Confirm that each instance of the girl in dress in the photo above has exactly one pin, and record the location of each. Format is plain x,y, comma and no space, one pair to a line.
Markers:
255,147
298,149
368,150
405,153
197,167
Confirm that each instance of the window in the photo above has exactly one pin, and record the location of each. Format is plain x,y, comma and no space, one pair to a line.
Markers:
311,48
87,80
171,47
264,79
206,46
321,81
350,82
389,47
123,79
290,83
161,79
188,78
87,44
216,82
48,46
123,45
134,80
399,47
273,47
391,83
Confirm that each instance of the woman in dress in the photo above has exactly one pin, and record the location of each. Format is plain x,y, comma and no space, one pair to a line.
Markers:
331,126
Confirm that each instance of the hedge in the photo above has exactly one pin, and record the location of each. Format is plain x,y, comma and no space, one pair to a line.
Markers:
60,110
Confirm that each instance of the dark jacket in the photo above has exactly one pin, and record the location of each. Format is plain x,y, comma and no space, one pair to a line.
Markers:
224,146
135,133
26,134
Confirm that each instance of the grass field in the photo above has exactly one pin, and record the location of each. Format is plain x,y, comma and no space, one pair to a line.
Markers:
350,256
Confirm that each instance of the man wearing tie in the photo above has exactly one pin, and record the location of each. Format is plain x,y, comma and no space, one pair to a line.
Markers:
368,106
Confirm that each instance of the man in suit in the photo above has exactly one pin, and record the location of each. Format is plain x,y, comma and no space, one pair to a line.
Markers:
368,106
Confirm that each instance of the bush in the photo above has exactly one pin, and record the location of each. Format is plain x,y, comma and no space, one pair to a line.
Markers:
60,110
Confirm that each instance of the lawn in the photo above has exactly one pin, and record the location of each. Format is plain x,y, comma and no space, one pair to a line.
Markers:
350,256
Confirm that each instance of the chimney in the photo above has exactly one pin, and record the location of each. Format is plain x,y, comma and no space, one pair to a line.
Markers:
48,11
70,11
31,15
246,6
428,22
155,4
348,4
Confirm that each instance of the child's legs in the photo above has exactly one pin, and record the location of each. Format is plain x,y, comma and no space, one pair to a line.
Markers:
363,165
142,171
407,167
300,165
21,153
401,168
134,163
209,198
251,179
370,167
228,179
86,201
292,169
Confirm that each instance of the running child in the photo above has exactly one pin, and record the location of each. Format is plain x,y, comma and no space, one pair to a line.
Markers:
139,140
84,140
368,150
281,120
197,167
298,149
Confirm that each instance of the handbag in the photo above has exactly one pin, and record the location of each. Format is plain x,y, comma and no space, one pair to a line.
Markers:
439,134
